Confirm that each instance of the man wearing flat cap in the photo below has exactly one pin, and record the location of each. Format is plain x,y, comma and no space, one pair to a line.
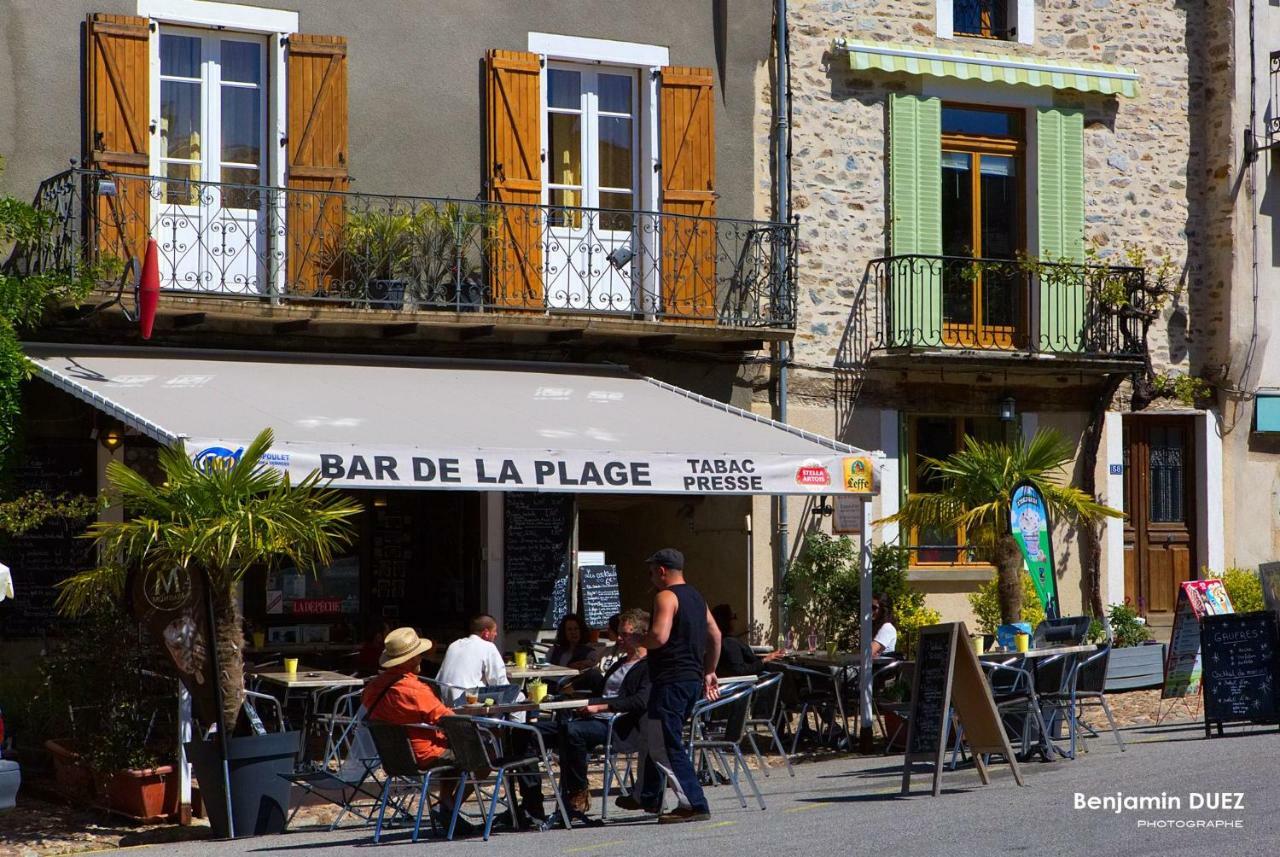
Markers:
684,646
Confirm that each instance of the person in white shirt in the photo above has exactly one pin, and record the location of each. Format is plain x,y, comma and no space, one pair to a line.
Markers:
884,635
473,661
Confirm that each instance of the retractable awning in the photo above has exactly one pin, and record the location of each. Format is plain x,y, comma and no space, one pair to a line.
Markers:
456,425
991,68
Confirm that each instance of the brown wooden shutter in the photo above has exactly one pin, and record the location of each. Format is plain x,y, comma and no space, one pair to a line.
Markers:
117,133
513,149
317,152
688,157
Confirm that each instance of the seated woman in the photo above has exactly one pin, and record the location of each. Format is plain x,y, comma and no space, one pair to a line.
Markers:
884,637
571,648
626,691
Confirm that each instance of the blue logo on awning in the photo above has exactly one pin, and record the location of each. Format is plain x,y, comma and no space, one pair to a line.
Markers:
217,456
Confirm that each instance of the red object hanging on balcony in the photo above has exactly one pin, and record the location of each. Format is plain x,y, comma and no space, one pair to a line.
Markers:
149,289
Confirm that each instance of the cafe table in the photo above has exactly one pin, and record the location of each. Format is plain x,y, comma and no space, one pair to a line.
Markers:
305,680
1031,656
532,672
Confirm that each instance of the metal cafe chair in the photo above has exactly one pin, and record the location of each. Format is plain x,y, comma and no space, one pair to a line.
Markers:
403,779
717,729
1014,690
762,720
615,754
820,702
1085,685
348,772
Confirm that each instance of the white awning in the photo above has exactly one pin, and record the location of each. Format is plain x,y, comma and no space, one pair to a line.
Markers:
456,425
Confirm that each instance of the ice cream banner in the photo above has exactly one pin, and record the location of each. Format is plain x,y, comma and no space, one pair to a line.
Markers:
1182,667
1029,523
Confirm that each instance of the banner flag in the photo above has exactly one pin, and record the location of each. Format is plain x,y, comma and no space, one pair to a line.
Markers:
1029,523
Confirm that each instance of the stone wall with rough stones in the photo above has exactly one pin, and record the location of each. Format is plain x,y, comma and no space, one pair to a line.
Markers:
1146,162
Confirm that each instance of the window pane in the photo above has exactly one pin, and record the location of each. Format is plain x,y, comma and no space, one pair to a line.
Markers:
241,197
241,125
564,89
1165,462
935,438
615,152
179,192
179,55
982,123
560,217
1001,239
615,220
980,18
242,62
564,138
615,93
179,119
957,237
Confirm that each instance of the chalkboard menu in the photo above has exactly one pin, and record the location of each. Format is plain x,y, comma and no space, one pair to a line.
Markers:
931,698
1240,669
599,597
43,557
391,555
537,532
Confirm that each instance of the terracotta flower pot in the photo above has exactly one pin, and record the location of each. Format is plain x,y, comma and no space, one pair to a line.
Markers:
143,794
74,777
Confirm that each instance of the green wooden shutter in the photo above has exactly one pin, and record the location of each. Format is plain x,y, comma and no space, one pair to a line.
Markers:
1060,164
915,206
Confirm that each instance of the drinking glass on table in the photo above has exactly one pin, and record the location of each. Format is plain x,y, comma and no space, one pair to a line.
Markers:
472,696
813,642
832,646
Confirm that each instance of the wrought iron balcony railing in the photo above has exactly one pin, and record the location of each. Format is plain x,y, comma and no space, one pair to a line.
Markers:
918,303
419,254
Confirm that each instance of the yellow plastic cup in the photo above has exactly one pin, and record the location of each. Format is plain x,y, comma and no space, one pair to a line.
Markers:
537,691
291,666
522,660
977,645
1022,641
259,639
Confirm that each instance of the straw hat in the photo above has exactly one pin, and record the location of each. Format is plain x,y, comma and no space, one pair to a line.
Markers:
401,645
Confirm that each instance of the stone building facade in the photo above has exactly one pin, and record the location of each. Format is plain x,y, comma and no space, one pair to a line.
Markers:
1150,172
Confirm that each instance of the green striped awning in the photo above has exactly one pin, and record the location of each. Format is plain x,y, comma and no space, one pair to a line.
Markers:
991,68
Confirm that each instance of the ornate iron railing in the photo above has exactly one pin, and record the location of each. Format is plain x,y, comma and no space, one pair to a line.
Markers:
406,253
917,302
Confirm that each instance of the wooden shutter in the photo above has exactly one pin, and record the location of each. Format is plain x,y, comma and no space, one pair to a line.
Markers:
915,210
118,136
513,155
1060,204
316,145
687,152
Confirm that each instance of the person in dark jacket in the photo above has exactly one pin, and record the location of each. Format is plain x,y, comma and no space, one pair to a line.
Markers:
626,692
572,648
736,657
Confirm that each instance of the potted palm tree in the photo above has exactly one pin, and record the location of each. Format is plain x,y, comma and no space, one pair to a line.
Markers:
977,485
219,521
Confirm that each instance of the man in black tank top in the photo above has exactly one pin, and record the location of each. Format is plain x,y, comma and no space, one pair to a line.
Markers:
684,646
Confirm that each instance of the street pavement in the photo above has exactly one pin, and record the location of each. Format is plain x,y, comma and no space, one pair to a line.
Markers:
852,806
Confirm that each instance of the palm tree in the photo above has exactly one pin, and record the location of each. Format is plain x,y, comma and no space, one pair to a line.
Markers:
976,488
222,520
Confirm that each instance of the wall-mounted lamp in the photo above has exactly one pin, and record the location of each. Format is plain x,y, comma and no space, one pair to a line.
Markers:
380,501
822,507
111,439
106,187
1008,409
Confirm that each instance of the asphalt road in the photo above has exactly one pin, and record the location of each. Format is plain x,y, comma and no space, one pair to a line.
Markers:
852,806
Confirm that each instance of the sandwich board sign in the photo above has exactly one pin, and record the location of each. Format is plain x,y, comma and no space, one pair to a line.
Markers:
948,676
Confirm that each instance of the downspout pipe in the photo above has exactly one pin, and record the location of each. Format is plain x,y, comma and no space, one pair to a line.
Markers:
782,215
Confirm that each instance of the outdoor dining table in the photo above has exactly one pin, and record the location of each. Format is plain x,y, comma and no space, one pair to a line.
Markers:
305,680
1032,656
523,674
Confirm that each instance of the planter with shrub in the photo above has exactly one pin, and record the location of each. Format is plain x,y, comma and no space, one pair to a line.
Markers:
1136,661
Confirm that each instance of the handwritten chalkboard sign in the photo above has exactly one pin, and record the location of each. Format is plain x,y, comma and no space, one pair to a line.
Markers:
1241,664
537,531
43,557
599,597
948,675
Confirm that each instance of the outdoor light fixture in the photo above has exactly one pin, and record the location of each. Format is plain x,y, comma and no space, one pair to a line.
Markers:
1008,409
380,501
621,256
823,507
106,187
111,439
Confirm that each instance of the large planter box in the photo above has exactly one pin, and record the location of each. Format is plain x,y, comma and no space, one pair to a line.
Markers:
74,778
149,795
1135,668
259,792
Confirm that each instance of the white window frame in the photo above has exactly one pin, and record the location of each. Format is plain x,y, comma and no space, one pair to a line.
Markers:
648,61
590,112
1022,17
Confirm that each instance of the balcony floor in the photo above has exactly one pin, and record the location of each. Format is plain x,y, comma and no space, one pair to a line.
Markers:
994,359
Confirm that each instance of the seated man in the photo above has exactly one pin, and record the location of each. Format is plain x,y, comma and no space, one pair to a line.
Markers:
399,697
473,661
626,691
736,657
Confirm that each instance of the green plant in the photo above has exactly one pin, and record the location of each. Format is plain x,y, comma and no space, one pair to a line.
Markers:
1244,588
821,588
1127,628
977,485
31,510
1187,389
985,602
1096,631
220,520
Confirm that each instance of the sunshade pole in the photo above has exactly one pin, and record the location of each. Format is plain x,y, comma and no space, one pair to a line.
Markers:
864,673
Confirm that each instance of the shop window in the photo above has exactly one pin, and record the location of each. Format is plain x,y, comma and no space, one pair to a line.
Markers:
937,437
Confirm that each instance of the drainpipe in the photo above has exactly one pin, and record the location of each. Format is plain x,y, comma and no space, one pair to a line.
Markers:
781,214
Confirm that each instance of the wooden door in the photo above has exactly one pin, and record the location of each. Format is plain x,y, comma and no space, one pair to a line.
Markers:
1160,537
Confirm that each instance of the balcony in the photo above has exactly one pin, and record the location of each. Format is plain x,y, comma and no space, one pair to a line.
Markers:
422,261
915,308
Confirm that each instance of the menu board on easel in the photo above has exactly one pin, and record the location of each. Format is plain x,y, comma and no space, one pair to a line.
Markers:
948,676
1241,663
537,540
43,557
1196,600
599,598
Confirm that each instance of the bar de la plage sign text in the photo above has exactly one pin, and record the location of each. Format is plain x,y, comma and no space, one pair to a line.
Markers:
526,470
